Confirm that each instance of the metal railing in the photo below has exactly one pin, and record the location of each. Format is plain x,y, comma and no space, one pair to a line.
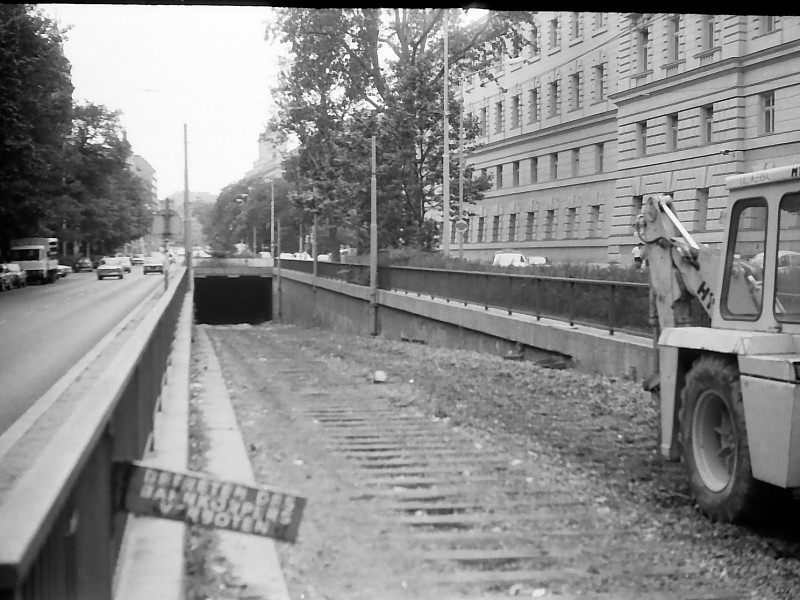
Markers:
60,524
614,305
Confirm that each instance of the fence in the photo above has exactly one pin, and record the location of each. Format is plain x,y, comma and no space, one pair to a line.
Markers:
615,305
60,526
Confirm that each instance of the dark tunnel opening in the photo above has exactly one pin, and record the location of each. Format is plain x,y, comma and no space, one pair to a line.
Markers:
232,300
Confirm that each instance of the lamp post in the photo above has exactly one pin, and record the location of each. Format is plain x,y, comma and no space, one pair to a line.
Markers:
272,219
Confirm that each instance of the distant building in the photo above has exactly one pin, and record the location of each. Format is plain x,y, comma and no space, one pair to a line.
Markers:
147,174
195,198
604,108
271,154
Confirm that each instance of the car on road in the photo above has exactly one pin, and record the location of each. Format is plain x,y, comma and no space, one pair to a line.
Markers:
126,261
64,270
110,266
6,278
84,263
19,278
137,259
153,263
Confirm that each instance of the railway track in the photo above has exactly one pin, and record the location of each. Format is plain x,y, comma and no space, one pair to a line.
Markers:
479,524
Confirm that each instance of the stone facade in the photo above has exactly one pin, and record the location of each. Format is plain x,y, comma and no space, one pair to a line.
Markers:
607,107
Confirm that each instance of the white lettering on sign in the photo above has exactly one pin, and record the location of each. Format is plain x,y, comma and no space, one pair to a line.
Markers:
212,503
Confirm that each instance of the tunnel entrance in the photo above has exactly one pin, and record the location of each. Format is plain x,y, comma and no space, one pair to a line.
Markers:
226,300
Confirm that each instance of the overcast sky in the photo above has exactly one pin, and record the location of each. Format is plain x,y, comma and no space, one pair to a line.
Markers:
162,66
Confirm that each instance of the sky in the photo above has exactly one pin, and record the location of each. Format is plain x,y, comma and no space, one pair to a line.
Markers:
163,66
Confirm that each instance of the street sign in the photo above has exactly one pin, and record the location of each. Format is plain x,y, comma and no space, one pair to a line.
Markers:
198,499
167,221
461,226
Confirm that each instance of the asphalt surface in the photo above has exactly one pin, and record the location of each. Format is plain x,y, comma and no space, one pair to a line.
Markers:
46,329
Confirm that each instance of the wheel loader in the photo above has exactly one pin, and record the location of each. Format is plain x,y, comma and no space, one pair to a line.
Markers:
729,393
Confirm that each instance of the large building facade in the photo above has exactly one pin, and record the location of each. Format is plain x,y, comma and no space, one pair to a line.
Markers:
604,108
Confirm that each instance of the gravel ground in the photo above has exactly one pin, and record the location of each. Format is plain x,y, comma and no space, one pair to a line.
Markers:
595,433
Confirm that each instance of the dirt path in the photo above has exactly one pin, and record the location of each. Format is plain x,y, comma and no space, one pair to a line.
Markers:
466,476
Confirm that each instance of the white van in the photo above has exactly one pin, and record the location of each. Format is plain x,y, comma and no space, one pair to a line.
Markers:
510,259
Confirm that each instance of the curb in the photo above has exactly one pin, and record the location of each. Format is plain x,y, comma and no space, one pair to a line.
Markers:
253,560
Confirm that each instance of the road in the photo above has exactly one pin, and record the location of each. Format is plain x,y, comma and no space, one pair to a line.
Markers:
46,329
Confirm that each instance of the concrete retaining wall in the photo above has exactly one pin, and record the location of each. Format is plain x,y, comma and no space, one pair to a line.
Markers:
345,307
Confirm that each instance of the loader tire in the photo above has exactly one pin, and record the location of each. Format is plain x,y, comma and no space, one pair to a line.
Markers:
715,446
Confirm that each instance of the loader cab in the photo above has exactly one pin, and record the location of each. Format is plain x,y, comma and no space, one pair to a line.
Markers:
760,280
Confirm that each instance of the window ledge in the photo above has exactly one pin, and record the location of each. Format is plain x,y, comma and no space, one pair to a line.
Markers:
768,33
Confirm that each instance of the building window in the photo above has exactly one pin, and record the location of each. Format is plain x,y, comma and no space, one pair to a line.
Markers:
483,128
575,26
673,38
701,209
499,176
452,234
672,132
706,123
599,20
516,111
575,90
530,225
599,157
553,98
768,23
600,82
572,220
500,117
496,228
636,208
512,227
515,173
534,101
554,166
642,49
484,173
594,225
707,33
576,162
481,228
554,37
641,138
534,169
768,112
549,224
535,47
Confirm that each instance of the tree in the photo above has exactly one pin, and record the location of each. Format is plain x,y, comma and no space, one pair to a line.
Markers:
339,91
35,104
109,205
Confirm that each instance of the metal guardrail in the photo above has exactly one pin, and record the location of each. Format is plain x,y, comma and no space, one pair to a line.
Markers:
615,305
61,527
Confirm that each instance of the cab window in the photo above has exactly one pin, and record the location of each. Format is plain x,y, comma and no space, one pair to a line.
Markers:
742,289
787,267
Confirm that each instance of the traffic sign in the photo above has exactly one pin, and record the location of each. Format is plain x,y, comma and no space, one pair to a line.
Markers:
167,222
461,226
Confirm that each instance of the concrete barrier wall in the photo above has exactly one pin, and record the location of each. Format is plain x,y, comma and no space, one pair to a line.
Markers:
343,306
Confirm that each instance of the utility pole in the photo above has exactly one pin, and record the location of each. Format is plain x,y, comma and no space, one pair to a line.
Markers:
446,158
272,220
187,229
373,244
460,227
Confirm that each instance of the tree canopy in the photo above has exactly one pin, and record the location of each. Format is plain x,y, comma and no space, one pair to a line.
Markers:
63,167
358,73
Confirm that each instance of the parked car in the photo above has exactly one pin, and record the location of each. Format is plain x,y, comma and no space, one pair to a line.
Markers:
153,263
19,278
6,278
110,266
64,270
84,263
510,259
126,261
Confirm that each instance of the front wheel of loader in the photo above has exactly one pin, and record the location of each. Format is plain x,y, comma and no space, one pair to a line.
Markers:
715,446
